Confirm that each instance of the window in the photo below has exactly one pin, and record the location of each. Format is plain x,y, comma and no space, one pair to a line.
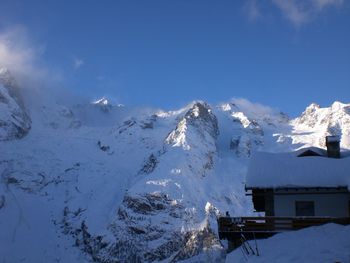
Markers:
304,208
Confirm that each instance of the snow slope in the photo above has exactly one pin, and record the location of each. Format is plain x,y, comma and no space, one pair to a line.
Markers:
327,243
96,182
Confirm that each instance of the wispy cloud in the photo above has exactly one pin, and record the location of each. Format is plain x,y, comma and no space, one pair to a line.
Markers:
252,10
18,54
300,12
320,4
253,108
294,11
77,63
24,58
297,12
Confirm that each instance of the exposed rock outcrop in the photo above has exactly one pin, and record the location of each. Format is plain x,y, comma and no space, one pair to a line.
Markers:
14,119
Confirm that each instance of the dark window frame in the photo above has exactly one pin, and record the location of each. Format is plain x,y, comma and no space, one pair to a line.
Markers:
304,208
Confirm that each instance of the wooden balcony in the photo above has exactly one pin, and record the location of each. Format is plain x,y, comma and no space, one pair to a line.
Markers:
232,228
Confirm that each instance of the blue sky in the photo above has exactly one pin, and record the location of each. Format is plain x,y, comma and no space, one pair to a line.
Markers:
282,53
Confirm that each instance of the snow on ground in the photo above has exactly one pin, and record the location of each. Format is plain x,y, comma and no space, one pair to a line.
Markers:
327,243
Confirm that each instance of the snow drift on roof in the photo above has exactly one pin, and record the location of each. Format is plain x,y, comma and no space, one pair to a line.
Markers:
273,170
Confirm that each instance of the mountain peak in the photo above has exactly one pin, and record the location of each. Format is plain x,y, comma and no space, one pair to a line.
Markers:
199,109
102,101
202,115
201,118
104,104
337,105
312,107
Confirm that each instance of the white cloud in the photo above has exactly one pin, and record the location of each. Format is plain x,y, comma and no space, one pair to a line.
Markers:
19,55
299,12
24,59
294,11
253,109
77,63
252,10
320,4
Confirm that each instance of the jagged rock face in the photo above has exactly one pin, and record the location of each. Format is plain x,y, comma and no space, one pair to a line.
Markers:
137,217
14,120
198,117
199,126
202,117
154,210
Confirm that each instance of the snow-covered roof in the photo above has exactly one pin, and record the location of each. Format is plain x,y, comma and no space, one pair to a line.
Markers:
274,170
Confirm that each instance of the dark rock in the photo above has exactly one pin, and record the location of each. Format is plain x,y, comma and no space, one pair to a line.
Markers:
126,125
103,147
136,230
150,165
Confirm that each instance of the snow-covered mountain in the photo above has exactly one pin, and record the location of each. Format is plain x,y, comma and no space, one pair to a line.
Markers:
103,183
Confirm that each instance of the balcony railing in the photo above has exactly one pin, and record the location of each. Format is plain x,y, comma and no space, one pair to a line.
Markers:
267,226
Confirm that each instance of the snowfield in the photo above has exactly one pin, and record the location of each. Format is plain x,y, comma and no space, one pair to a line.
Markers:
96,182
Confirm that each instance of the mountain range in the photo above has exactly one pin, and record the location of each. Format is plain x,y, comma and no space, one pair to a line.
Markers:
98,182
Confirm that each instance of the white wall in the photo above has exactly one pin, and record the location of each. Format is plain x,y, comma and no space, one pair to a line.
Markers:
335,205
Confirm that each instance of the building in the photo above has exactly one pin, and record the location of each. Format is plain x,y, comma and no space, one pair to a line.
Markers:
308,182
297,189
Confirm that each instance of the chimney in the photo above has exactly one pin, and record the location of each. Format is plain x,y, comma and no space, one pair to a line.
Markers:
333,146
